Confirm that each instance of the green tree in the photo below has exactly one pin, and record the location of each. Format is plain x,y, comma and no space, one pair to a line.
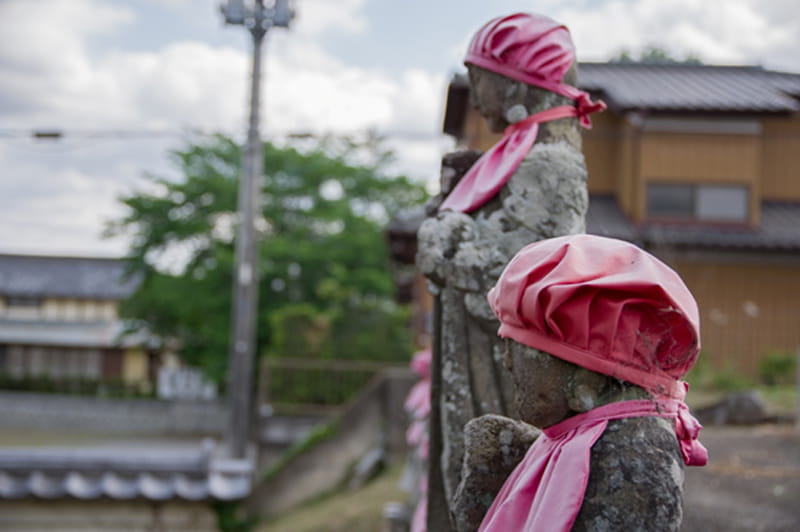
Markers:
326,288
654,55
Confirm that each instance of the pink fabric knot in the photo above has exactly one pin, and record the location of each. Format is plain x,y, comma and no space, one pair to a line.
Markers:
533,49
546,490
586,107
687,429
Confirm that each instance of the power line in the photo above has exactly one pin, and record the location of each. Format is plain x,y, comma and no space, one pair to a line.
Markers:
54,137
58,134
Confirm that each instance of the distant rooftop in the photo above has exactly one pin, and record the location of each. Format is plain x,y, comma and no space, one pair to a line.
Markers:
65,277
678,87
155,473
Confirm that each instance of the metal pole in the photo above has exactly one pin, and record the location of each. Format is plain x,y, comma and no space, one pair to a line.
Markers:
245,290
241,356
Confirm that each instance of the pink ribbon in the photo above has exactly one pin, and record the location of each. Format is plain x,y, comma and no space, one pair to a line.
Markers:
546,490
687,429
495,167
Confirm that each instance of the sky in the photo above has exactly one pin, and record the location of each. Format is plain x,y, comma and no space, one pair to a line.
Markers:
126,81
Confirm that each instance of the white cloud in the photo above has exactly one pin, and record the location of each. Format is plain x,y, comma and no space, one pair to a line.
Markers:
308,90
182,84
743,31
318,16
40,59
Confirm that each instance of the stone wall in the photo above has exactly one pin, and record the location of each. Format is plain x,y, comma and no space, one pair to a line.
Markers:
375,419
72,515
132,416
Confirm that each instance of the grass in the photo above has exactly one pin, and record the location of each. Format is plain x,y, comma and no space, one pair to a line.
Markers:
359,510
318,435
780,399
710,385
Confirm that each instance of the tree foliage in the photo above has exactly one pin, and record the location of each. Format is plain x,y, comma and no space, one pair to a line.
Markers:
654,55
326,288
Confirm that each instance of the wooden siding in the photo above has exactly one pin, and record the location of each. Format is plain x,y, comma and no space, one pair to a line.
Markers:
780,167
700,159
746,310
476,132
601,150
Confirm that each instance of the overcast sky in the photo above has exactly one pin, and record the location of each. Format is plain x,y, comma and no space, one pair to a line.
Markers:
125,80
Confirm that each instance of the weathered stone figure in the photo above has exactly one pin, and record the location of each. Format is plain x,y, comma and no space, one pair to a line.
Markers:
598,334
529,186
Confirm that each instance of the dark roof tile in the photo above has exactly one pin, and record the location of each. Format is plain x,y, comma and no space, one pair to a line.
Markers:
777,232
153,474
67,277
692,88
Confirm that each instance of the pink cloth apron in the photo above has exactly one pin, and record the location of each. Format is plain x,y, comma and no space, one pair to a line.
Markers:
495,167
545,491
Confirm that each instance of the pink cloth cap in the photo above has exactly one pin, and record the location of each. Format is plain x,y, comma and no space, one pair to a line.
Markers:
603,304
533,49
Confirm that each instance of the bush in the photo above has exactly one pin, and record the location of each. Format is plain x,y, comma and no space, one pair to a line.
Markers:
778,368
114,388
704,376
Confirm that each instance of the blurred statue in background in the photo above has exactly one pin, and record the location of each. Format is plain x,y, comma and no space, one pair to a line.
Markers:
529,186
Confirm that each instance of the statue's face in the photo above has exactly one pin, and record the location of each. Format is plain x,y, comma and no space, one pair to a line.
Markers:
540,384
487,96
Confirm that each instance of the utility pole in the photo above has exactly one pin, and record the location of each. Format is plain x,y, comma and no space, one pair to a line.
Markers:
258,19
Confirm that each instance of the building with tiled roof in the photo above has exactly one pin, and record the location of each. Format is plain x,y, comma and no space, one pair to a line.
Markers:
59,321
111,464
700,165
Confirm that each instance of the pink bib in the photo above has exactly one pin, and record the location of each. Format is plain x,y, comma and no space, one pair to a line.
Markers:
495,167
545,491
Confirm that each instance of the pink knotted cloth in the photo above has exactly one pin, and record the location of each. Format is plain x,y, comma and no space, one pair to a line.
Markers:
603,304
610,307
533,49
418,403
545,491
418,406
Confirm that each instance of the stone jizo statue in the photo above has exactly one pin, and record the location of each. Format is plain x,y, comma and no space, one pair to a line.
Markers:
531,185
598,334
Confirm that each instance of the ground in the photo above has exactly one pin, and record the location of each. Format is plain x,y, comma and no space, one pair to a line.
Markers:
358,510
750,484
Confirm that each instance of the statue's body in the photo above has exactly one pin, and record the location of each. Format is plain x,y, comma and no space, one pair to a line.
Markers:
636,475
621,329
529,186
463,254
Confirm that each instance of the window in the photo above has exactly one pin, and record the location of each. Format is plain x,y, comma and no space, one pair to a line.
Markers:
670,201
713,203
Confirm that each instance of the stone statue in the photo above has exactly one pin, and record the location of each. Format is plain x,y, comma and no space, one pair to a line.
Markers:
597,335
529,186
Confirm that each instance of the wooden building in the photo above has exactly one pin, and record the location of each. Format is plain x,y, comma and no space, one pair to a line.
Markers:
700,165
59,321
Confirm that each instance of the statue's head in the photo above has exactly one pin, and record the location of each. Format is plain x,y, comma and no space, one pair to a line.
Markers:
520,64
588,317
